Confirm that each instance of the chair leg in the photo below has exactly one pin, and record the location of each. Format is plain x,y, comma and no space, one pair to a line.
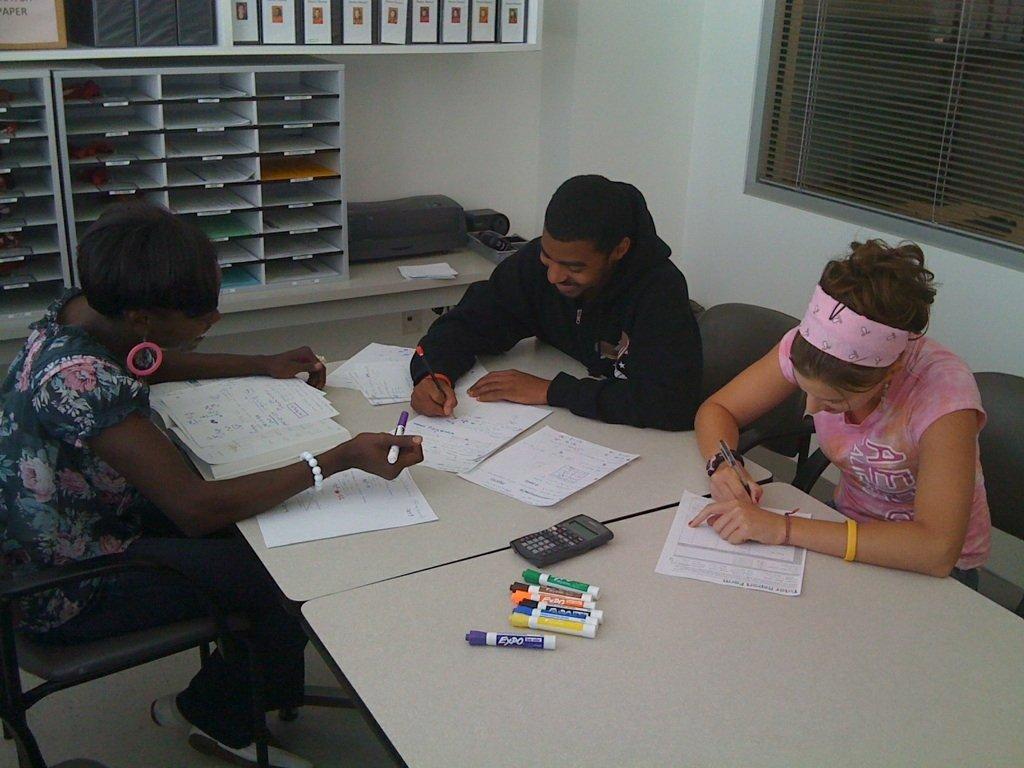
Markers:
7,733
322,696
204,653
259,715
29,755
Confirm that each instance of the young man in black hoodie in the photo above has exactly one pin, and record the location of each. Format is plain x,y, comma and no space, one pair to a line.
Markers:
598,285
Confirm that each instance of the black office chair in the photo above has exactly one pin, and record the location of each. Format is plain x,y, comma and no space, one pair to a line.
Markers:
65,666
1002,452
734,337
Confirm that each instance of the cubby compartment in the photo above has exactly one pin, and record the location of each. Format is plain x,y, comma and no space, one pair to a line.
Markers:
109,122
302,270
319,165
297,114
231,226
241,251
215,201
288,246
115,151
109,90
208,87
208,117
213,172
27,153
241,277
299,141
212,145
302,221
298,85
299,195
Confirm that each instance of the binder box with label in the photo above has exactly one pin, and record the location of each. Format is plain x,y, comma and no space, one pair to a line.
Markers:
454,21
101,23
512,21
315,22
392,22
423,21
357,22
245,21
196,24
482,28
278,25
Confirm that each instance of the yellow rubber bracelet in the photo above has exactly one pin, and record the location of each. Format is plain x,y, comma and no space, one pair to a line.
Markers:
851,541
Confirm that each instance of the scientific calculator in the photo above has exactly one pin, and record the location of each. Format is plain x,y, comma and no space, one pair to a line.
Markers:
563,540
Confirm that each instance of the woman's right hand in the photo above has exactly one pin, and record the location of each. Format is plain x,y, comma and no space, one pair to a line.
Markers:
368,451
726,485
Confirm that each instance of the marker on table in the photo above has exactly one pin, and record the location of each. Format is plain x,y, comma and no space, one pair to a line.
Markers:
564,612
399,430
531,576
566,602
553,625
430,372
518,586
731,460
550,614
500,640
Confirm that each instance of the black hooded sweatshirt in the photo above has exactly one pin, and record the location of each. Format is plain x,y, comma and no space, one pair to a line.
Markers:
637,337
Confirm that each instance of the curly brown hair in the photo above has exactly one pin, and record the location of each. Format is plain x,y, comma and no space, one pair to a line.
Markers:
887,284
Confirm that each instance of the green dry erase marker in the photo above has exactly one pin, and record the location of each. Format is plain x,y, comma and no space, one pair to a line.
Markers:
531,576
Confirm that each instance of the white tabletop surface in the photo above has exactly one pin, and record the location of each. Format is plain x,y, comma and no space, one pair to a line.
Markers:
474,520
868,667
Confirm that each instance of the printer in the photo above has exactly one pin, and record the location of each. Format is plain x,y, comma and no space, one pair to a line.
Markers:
411,226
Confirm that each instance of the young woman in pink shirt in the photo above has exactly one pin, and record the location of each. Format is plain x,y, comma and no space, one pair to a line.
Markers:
896,412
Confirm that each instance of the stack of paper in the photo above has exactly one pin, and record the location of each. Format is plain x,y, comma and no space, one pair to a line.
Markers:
476,430
439,271
351,502
379,371
546,467
700,553
234,427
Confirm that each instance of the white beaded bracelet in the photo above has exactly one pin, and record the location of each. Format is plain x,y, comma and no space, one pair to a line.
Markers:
314,465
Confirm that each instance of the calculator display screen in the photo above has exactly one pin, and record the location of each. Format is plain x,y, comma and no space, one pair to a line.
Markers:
581,530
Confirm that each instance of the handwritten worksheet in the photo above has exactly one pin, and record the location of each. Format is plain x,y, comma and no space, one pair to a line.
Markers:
700,553
234,410
351,502
546,467
476,430
379,371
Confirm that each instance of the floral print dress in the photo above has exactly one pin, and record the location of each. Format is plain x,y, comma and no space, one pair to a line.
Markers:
60,502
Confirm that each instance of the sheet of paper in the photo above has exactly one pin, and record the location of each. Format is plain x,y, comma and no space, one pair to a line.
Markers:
371,353
269,443
236,410
351,502
383,382
460,442
546,467
700,553
440,271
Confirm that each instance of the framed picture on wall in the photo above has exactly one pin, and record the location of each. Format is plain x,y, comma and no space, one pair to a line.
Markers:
28,24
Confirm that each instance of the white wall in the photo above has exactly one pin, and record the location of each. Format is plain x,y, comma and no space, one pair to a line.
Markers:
618,95
742,248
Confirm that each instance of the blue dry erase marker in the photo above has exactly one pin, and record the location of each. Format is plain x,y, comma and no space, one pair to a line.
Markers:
581,614
501,640
543,614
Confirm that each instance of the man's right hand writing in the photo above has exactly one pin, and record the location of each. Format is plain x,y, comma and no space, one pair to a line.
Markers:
426,398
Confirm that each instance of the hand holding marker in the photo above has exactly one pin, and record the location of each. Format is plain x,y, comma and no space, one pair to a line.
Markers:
399,430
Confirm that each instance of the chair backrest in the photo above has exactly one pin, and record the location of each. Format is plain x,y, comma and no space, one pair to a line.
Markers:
1002,449
736,335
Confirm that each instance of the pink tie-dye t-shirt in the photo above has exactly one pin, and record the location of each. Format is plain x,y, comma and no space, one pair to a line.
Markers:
878,458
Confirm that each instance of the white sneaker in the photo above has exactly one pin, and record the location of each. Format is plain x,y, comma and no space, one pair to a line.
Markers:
165,713
246,756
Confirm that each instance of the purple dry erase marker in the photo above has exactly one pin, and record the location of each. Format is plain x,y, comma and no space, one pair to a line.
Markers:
399,430
540,642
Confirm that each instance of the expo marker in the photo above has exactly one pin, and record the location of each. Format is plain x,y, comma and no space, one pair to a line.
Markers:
565,602
531,576
501,640
552,614
518,586
552,625
563,612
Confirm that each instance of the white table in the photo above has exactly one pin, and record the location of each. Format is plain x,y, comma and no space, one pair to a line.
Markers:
868,667
473,520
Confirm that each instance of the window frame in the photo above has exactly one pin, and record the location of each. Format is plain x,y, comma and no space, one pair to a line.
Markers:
928,233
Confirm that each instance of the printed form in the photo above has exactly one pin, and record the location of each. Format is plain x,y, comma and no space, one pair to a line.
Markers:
546,467
379,371
352,501
460,442
700,553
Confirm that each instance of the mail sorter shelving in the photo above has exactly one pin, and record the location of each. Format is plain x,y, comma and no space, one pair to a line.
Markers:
252,154
32,269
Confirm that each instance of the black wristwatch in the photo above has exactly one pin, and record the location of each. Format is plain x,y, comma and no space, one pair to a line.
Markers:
718,460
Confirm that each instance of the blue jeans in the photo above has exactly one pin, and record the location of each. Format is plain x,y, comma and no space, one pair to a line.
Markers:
218,699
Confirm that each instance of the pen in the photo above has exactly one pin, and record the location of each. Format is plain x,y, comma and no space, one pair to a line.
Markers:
727,452
430,371
399,430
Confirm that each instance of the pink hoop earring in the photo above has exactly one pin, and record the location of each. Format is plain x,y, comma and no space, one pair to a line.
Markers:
154,352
